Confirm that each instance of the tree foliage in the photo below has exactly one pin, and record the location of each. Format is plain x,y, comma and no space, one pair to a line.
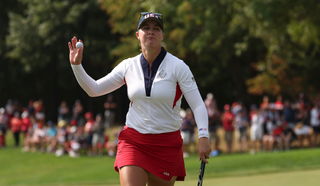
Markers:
236,49
38,39
290,32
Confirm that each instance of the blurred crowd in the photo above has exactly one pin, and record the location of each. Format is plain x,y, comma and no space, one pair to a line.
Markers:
268,126
74,132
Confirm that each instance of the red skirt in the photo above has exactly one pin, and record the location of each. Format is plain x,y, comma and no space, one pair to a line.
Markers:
159,154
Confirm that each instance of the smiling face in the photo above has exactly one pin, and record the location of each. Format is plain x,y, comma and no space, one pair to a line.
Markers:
150,35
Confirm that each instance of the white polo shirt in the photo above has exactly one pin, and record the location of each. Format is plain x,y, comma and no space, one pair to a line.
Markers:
160,112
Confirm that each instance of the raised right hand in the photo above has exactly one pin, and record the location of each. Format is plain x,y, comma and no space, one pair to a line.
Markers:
75,54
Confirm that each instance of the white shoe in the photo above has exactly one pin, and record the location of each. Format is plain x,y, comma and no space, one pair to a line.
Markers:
59,152
73,154
185,155
25,149
111,153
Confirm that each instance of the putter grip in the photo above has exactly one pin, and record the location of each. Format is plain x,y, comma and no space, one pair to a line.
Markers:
201,173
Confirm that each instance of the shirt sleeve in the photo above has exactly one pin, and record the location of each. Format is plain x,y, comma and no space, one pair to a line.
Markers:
185,78
199,111
92,87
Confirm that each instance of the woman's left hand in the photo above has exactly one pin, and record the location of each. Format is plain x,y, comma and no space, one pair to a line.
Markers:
204,149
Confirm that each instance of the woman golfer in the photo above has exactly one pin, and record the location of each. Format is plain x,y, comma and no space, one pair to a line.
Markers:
150,145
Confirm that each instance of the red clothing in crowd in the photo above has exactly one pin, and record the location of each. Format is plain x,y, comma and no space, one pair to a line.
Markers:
277,131
25,124
89,125
278,105
227,121
15,124
2,141
264,105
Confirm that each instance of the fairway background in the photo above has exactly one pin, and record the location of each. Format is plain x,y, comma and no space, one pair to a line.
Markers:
292,168
296,178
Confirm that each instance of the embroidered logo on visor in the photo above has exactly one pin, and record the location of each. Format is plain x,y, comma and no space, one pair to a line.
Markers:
151,15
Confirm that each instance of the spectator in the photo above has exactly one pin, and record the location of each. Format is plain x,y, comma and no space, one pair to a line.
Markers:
3,127
60,143
241,124
28,143
111,145
289,113
187,131
276,139
214,118
30,108
235,108
63,111
25,125
303,101
15,124
210,103
228,125
265,102
75,137
26,122
279,104
315,123
271,120
51,133
80,135
288,135
38,138
38,106
88,131
77,111
110,111
98,129
302,128
256,130
303,133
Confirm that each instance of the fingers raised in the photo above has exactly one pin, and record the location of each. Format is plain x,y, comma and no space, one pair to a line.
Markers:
74,41
70,47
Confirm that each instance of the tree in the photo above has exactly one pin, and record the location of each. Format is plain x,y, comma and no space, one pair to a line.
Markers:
239,50
197,32
41,47
10,71
290,32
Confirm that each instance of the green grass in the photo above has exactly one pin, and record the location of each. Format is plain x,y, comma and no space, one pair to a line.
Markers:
245,164
37,169
291,178
17,168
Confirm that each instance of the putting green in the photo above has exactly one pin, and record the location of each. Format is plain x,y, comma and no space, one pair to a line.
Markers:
295,178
